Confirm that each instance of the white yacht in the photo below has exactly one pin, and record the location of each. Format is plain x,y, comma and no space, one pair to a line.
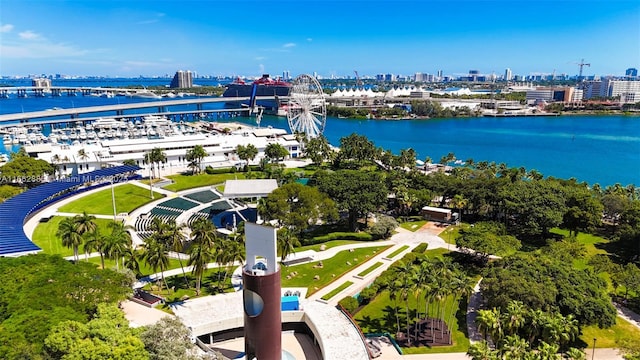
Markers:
7,139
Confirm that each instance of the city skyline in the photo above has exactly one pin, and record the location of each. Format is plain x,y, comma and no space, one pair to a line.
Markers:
330,38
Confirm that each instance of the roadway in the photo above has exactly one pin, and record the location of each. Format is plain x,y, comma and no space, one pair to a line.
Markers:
119,109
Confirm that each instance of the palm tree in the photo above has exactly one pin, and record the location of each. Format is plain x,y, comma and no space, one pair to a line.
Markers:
118,241
287,242
131,259
85,222
70,235
576,354
204,232
199,256
155,255
407,282
55,160
482,351
82,154
459,202
96,241
488,322
195,156
394,288
514,317
514,347
176,242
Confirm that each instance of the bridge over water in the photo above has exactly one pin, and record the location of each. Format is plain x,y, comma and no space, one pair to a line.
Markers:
89,113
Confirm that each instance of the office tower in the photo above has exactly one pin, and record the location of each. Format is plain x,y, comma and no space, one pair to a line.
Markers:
182,80
508,75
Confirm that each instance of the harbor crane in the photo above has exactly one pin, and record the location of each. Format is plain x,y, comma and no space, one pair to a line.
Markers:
358,82
582,64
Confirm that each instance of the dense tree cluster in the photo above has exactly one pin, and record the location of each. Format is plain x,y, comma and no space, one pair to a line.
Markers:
550,285
520,332
39,291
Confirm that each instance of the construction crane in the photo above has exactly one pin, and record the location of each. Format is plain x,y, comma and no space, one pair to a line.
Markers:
582,64
358,82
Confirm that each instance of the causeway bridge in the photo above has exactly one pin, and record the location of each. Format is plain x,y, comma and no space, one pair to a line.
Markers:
61,116
42,91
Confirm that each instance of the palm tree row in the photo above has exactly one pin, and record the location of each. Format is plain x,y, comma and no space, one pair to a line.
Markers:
437,282
516,330
82,230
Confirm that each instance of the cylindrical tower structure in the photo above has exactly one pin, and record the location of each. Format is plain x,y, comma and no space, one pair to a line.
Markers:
262,295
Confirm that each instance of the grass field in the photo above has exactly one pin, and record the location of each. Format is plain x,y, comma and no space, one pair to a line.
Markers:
398,251
331,269
179,290
44,236
328,245
370,269
337,290
449,236
128,198
607,338
184,182
413,225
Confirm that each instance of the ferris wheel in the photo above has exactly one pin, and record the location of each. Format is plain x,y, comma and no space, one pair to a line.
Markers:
307,110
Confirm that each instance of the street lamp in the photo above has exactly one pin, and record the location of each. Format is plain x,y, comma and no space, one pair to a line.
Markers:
113,201
593,353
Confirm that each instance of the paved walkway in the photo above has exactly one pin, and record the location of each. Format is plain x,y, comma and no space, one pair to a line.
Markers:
628,315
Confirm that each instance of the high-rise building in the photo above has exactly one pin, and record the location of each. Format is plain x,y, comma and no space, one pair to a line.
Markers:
286,75
631,73
182,80
627,91
508,75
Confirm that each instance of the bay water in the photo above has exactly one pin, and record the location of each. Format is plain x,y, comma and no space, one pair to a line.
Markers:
603,149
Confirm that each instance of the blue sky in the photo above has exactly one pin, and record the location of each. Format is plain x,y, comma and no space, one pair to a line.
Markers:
243,37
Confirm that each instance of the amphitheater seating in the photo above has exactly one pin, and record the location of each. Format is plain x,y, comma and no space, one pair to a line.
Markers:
179,203
16,210
204,197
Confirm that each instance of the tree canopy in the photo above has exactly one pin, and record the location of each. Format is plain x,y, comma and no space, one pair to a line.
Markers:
356,192
39,291
551,285
297,207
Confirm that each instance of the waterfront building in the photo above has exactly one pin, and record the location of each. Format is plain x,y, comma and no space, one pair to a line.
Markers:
182,80
41,83
221,150
540,94
627,91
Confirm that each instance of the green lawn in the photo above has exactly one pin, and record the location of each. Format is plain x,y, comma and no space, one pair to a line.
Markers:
590,242
380,316
328,245
607,338
449,236
337,290
332,268
184,182
128,198
179,290
44,236
370,269
413,225
145,269
398,251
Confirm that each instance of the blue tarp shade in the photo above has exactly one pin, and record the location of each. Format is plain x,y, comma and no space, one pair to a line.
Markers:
14,211
290,303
